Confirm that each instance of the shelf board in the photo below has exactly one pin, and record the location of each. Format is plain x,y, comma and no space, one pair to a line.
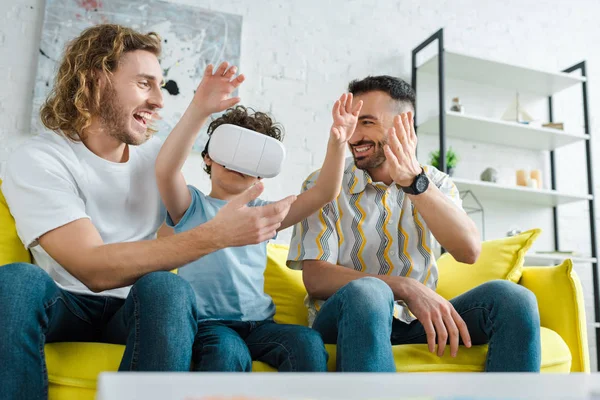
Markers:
505,133
543,259
500,74
518,194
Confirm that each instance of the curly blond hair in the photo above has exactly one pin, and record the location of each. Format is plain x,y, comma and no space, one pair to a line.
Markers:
75,96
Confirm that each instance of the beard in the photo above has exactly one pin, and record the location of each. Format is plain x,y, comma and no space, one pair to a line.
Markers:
373,161
116,120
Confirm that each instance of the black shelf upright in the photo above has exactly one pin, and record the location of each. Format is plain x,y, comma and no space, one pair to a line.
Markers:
439,37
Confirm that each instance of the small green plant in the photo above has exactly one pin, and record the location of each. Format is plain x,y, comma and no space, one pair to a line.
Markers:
451,158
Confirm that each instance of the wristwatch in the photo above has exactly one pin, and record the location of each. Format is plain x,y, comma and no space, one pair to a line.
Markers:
419,184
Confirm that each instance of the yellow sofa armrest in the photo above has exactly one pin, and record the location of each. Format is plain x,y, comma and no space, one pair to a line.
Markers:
561,305
11,248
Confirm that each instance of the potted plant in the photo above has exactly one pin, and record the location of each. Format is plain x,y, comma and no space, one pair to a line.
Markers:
451,160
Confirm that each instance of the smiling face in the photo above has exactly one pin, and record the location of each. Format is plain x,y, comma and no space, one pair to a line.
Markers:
375,119
132,97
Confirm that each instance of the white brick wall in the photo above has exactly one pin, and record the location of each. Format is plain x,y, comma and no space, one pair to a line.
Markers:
299,56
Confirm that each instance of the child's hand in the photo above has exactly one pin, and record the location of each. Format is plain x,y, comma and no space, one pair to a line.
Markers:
345,118
213,93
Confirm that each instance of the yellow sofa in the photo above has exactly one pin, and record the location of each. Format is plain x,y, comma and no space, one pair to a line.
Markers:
74,367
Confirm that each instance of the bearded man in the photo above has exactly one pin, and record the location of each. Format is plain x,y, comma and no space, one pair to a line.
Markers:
86,204
367,257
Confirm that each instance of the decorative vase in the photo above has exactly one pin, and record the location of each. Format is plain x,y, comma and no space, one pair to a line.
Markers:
489,175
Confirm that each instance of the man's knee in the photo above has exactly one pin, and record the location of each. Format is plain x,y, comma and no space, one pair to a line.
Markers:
368,295
168,303
510,293
25,290
25,284
169,290
513,300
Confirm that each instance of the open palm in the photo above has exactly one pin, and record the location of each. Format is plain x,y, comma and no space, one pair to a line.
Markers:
345,118
213,93
401,150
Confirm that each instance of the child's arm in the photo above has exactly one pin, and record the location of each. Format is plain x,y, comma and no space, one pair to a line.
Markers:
211,96
328,184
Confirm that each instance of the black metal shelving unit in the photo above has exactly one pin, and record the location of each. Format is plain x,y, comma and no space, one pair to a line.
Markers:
439,37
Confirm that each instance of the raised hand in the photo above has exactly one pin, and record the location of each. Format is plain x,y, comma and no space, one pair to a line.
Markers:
345,117
213,93
400,150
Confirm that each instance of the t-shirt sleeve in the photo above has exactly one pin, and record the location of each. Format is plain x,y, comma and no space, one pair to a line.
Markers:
315,237
260,203
41,194
195,204
444,183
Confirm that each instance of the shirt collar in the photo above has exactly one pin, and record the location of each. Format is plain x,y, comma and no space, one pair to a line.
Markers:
358,179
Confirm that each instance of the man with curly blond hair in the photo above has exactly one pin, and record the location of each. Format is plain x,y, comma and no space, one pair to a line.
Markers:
86,204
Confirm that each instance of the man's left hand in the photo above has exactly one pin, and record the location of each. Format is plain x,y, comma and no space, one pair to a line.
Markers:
213,93
438,317
401,149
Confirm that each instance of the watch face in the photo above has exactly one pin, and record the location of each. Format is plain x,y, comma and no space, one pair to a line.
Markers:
421,184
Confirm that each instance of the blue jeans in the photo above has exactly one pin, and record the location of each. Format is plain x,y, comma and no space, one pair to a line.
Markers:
157,323
230,346
358,317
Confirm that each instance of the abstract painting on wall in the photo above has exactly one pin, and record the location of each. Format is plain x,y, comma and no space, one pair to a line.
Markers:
192,38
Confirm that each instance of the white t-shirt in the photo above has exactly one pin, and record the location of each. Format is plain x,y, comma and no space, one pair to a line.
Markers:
51,181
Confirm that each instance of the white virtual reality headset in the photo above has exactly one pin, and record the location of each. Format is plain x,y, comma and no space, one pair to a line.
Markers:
246,151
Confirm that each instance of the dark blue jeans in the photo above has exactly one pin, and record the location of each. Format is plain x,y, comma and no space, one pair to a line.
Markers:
157,323
230,346
358,317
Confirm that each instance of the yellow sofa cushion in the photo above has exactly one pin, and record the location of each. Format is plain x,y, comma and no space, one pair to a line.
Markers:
560,299
286,287
11,247
417,358
77,365
499,259
73,368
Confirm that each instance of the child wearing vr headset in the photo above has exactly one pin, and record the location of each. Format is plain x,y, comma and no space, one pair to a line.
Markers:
235,315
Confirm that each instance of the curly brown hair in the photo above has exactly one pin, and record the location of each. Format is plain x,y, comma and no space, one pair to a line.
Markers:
246,118
75,96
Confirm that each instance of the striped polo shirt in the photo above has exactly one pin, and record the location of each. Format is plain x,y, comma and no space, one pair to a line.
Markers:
373,228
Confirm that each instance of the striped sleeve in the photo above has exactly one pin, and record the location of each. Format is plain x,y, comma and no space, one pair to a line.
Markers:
444,183
314,238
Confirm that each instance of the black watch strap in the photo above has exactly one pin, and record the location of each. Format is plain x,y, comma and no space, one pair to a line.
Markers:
419,184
